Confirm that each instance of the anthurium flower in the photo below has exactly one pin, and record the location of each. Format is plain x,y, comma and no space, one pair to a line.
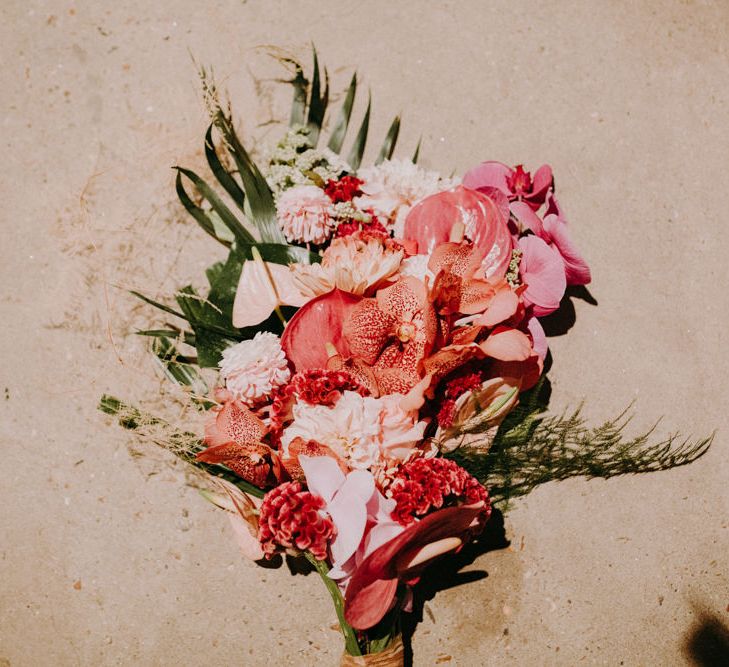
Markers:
515,183
373,585
553,231
429,223
542,271
263,287
316,326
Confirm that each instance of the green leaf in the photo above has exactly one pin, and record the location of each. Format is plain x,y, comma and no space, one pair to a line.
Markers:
317,102
357,151
177,368
388,146
231,222
345,113
221,173
261,207
202,217
301,87
157,304
187,336
416,155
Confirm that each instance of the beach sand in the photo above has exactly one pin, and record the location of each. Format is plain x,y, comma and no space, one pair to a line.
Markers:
110,559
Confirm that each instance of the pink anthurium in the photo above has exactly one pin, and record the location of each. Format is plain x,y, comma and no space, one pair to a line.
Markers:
315,326
430,222
542,270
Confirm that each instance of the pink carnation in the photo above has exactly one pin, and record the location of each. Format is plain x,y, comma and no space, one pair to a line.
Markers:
303,213
290,518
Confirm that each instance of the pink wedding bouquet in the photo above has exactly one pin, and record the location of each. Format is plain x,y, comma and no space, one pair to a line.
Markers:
377,341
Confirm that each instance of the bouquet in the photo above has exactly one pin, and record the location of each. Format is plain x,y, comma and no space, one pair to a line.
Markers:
379,357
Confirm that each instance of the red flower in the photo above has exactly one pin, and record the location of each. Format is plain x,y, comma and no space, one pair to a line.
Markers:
423,485
372,587
345,189
290,518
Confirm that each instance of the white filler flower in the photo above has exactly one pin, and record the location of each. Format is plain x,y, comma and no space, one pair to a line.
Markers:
253,368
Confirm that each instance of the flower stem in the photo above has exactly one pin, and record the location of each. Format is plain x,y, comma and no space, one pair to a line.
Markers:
350,637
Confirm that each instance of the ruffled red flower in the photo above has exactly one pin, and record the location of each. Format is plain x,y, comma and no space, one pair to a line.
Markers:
423,485
454,388
366,230
345,189
291,519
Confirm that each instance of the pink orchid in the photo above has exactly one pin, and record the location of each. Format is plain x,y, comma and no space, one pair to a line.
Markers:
359,511
516,183
553,231
542,270
430,222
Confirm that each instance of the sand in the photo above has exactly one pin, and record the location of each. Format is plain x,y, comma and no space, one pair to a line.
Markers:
107,559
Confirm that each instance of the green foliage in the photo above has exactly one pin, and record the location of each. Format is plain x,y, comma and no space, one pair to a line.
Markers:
345,113
388,146
160,433
533,448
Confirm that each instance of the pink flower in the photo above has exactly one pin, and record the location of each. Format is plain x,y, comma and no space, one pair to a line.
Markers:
360,513
553,231
542,270
516,183
373,585
303,213
431,221
291,518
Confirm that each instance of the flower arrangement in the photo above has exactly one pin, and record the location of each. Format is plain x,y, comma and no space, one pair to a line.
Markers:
380,357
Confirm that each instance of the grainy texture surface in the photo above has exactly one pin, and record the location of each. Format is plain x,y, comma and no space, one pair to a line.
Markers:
109,560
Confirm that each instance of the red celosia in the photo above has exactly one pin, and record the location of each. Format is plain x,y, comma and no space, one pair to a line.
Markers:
423,485
454,388
290,519
367,230
345,189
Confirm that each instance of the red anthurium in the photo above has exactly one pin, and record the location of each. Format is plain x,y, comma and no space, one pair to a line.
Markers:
516,183
372,588
430,222
315,325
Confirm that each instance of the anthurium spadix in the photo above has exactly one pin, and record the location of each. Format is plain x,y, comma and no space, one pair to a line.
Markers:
262,288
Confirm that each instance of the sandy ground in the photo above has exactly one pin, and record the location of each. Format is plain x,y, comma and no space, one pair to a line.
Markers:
109,560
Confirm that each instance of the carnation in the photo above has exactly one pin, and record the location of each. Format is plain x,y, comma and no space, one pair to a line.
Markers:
364,432
391,188
303,213
253,368
293,519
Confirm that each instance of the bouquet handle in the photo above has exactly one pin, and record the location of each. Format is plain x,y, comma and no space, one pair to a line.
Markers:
392,656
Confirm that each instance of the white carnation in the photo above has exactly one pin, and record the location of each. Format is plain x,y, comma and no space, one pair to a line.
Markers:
391,189
253,368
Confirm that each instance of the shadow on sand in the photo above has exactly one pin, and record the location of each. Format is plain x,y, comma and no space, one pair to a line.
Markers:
707,642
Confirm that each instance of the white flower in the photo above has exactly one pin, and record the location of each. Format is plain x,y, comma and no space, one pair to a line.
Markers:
417,267
394,186
303,213
253,368
362,430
